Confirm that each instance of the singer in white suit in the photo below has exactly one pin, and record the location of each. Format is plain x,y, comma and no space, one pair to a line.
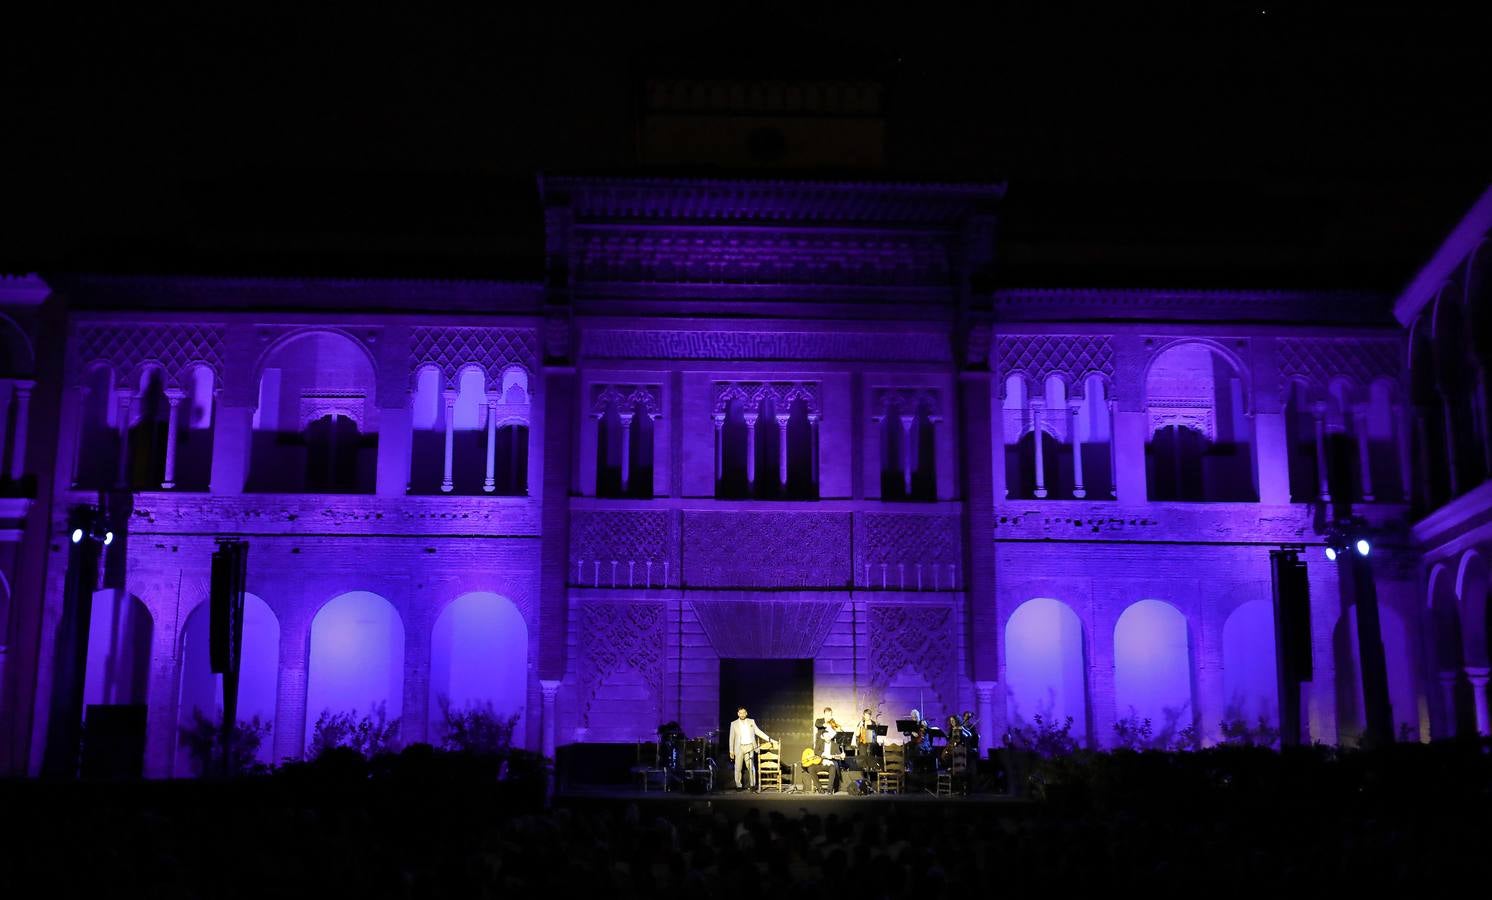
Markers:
743,735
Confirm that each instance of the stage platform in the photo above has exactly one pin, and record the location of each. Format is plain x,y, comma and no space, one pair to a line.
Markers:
734,803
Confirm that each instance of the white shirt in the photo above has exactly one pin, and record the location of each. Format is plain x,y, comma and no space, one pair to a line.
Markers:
743,734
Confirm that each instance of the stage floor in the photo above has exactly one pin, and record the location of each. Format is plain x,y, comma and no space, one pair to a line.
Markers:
733,803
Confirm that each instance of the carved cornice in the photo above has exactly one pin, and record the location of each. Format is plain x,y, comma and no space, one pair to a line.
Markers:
766,346
752,393
1191,305
930,204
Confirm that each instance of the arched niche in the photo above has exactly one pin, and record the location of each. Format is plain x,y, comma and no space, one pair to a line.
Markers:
1044,665
1403,693
1250,679
357,658
479,656
1201,440
315,425
1152,668
120,632
201,690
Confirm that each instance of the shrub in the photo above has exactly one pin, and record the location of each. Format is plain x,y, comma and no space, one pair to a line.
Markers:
1133,733
476,728
1238,733
370,735
203,738
1044,738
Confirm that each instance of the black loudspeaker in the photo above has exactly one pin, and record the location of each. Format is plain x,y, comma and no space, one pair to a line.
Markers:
1292,616
114,741
225,611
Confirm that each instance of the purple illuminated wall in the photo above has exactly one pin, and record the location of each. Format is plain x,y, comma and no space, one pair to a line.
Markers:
1063,504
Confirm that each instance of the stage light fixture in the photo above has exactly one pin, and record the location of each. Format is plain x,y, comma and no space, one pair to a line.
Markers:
77,535
1331,553
1363,546
108,538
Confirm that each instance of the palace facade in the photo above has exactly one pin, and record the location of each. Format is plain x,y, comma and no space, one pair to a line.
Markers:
739,422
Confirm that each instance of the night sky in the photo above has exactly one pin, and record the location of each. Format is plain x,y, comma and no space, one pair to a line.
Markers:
1211,144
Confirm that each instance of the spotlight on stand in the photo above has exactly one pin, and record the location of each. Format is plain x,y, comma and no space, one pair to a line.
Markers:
1346,536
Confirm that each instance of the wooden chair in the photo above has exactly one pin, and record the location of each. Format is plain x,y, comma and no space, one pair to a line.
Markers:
769,769
893,772
956,773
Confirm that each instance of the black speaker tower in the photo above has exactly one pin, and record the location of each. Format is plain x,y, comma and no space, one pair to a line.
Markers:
230,566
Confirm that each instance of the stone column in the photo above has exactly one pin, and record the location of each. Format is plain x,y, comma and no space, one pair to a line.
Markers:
5,399
984,703
1273,458
719,446
125,399
906,451
1323,487
1422,432
626,418
751,450
1036,438
1478,676
489,484
1113,407
782,420
1401,443
1447,681
23,420
174,396
1078,490
1453,457
550,688
447,483
813,440
1364,450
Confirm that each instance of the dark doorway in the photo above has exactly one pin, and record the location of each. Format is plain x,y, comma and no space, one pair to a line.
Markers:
777,693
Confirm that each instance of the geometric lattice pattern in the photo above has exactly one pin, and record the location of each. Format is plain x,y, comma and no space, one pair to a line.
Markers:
491,349
1322,360
174,346
767,629
1075,355
616,636
908,539
913,636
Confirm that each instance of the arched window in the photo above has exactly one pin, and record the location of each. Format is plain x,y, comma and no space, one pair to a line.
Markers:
98,445
766,442
907,423
479,661
150,415
1201,438
259,675
357,659
1152,669
625,417
120,632
315,428
1058,444
1250,681
1044,666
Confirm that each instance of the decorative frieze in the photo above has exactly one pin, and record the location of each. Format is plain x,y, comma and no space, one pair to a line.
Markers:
918,637
452,348
754,257
1323,360
1075,356
767,629
908,552
776,550
620,635
624,549
127,348
826,346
